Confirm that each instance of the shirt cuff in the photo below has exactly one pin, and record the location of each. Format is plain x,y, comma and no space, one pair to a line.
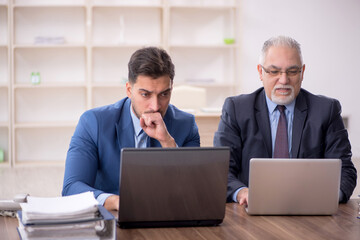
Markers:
236,193
102,197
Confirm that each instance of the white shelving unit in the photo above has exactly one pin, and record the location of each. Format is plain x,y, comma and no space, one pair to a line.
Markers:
49,38
197,30
81,48
5,86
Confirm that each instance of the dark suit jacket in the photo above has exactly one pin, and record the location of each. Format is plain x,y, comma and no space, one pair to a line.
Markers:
93,159
318,132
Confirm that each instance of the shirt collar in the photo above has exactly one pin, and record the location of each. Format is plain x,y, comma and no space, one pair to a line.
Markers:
135,121
271,105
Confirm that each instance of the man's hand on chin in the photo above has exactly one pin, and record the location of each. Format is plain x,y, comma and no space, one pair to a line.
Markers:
153,125
112,203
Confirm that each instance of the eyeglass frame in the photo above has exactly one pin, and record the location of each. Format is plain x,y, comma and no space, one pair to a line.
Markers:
299,70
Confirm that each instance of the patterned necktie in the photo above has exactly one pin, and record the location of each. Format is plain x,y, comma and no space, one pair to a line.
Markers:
281,142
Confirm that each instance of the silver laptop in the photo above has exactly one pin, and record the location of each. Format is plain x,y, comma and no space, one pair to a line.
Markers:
294,186
163,187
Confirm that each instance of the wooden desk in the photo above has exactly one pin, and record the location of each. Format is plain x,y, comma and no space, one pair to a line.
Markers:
238,225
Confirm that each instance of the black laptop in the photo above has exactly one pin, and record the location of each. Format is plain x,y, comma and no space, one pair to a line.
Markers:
172,187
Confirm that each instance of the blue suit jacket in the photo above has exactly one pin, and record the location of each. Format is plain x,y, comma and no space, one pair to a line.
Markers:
93,159
318,132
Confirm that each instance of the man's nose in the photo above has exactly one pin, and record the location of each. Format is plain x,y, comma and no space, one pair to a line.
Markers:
155,104
283,78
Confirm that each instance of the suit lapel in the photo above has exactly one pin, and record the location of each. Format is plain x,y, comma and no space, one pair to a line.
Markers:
300,114
263,122
124,128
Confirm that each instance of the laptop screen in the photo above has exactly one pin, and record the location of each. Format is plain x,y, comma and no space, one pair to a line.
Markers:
173,186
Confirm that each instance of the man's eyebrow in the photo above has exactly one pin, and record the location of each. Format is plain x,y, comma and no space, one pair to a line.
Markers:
294,66
273,66
277,68
167,90
144,90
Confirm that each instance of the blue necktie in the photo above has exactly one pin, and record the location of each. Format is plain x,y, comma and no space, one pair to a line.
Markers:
281,149
142,140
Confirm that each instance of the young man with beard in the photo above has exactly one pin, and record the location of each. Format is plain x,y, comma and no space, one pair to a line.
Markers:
143,119
313,127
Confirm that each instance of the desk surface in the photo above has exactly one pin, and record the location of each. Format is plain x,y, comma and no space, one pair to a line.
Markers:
238,225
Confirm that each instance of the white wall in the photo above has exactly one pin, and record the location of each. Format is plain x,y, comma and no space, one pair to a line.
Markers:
329,33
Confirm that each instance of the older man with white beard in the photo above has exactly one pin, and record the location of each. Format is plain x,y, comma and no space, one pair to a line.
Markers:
310,126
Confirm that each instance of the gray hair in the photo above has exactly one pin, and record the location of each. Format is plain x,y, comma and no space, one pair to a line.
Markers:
279,41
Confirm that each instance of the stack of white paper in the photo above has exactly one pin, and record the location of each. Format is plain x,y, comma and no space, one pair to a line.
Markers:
59,209
72,217
85,230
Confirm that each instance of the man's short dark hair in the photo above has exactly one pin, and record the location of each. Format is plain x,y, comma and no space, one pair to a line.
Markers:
150,61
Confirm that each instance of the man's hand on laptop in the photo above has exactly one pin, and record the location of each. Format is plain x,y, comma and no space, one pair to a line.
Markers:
112,203
152,123
242,196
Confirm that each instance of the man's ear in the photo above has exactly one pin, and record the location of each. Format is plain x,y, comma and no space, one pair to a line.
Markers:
302,72
128,89
259,68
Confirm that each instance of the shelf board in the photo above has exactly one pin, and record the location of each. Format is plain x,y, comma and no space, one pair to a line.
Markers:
37,163
32,5
4,124
127,6
202,7
5,164
45,125
225,46
108,84
125,46
201,114
49,85
4,85
207,85
32,46
221,85
204,112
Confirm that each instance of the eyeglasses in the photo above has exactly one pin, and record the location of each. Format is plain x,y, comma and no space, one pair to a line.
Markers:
291,72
